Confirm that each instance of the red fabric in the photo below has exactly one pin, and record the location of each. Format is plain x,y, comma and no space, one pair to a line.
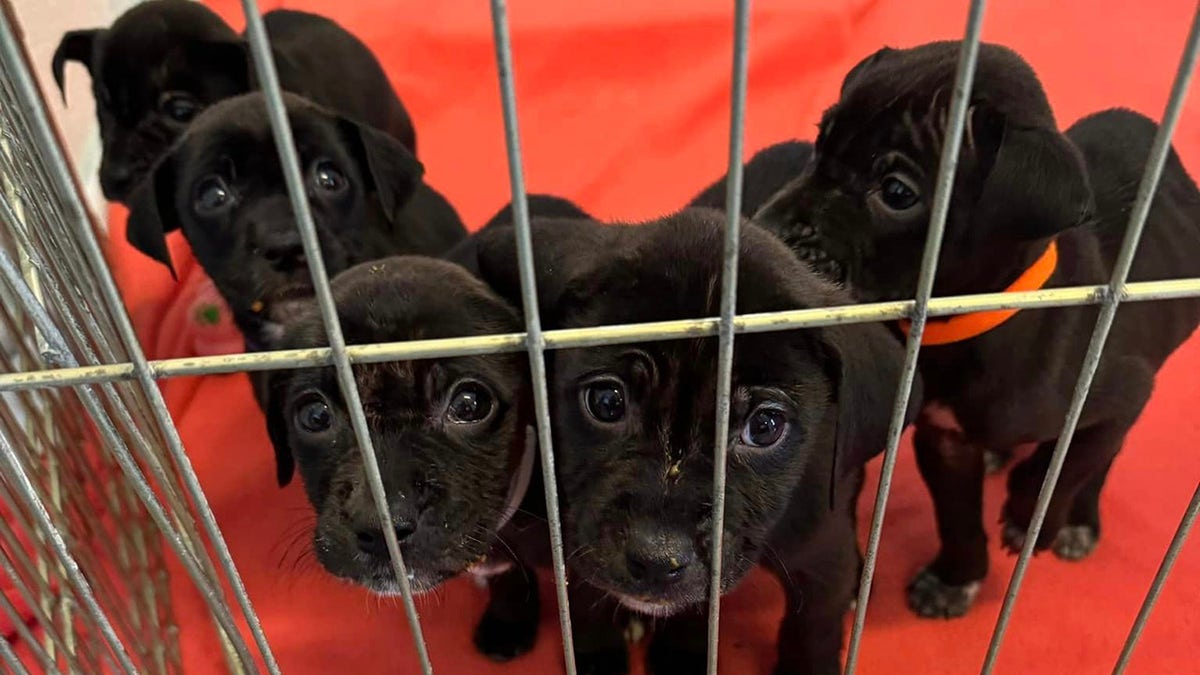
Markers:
624,109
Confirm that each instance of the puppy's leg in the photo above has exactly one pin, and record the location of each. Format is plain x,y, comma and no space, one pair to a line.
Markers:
1082,533
819,590
994,460
1091,451
600,647
509,625
679,645
953,470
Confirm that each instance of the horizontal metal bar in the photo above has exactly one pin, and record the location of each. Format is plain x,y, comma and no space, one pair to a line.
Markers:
572,338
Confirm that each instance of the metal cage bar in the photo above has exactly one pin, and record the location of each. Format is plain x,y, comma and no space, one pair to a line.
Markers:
535,342
961,96
260,51
725,330
66,372
1159,152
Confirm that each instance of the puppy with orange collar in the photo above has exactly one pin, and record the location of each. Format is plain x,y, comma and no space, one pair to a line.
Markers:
1032,208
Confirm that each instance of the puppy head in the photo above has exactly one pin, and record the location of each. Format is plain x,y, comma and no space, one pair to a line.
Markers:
447,432
153,71
223,185
861,208
634,424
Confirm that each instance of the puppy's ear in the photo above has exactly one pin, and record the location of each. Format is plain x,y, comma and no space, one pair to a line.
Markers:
866,362
862,66
391,170
1037,185
273,407
76,45
152,213
564,254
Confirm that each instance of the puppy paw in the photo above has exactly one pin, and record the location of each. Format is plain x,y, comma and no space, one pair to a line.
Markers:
1012,537
994,461
665,660
931,598
607,662
1075,542
502,640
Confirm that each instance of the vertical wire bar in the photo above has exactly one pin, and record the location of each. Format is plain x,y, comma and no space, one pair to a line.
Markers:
41,653
289,159
963,80
535,342
45,139
1160,579
1155,162
92,403
729,277
20,483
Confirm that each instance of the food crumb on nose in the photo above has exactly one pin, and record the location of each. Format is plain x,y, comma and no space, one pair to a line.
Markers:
256,306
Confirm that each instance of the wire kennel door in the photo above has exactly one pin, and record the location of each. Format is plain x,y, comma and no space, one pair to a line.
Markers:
81,397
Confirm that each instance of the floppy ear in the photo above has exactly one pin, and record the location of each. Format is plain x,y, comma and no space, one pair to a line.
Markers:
867,362
863,65
76,45
392,171
276,393
1038,183
564,251
152,213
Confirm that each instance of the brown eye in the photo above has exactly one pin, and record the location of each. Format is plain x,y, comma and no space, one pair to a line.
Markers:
471,402
327,177
179,107
764,427
605,401
213,195
314,417
897,193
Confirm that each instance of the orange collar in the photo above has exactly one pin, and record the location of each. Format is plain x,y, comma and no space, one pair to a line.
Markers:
966,326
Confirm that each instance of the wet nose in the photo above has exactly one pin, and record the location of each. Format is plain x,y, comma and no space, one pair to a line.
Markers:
116,181
282,250
660,559
371,540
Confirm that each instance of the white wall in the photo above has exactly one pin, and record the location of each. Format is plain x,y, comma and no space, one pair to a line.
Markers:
43,23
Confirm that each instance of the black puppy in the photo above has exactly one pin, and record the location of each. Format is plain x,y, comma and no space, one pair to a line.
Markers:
450,435
164,61
222,184
634,427
1031,207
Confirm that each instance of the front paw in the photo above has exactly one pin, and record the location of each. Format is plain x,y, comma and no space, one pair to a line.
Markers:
995,461
604,662
1013,536
504,640
1076,542
932,598
667,659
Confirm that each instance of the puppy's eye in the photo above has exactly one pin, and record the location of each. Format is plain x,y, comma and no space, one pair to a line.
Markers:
604,400
764,427
897,193
471,402
179,107
213,195
327,177
314,417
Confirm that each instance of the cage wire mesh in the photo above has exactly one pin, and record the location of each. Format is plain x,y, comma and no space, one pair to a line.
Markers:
95,487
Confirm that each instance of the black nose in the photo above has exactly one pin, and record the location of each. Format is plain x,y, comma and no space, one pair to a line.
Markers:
283,250
372,542
116,182
652,562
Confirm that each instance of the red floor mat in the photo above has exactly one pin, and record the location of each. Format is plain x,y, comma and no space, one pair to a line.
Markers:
624,108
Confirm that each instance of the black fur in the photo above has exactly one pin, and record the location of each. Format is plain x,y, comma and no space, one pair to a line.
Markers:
1020,184
176,55
250,245
637,492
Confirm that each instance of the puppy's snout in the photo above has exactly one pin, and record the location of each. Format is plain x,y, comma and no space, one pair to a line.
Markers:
117,181
371,540
658,558
283,249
